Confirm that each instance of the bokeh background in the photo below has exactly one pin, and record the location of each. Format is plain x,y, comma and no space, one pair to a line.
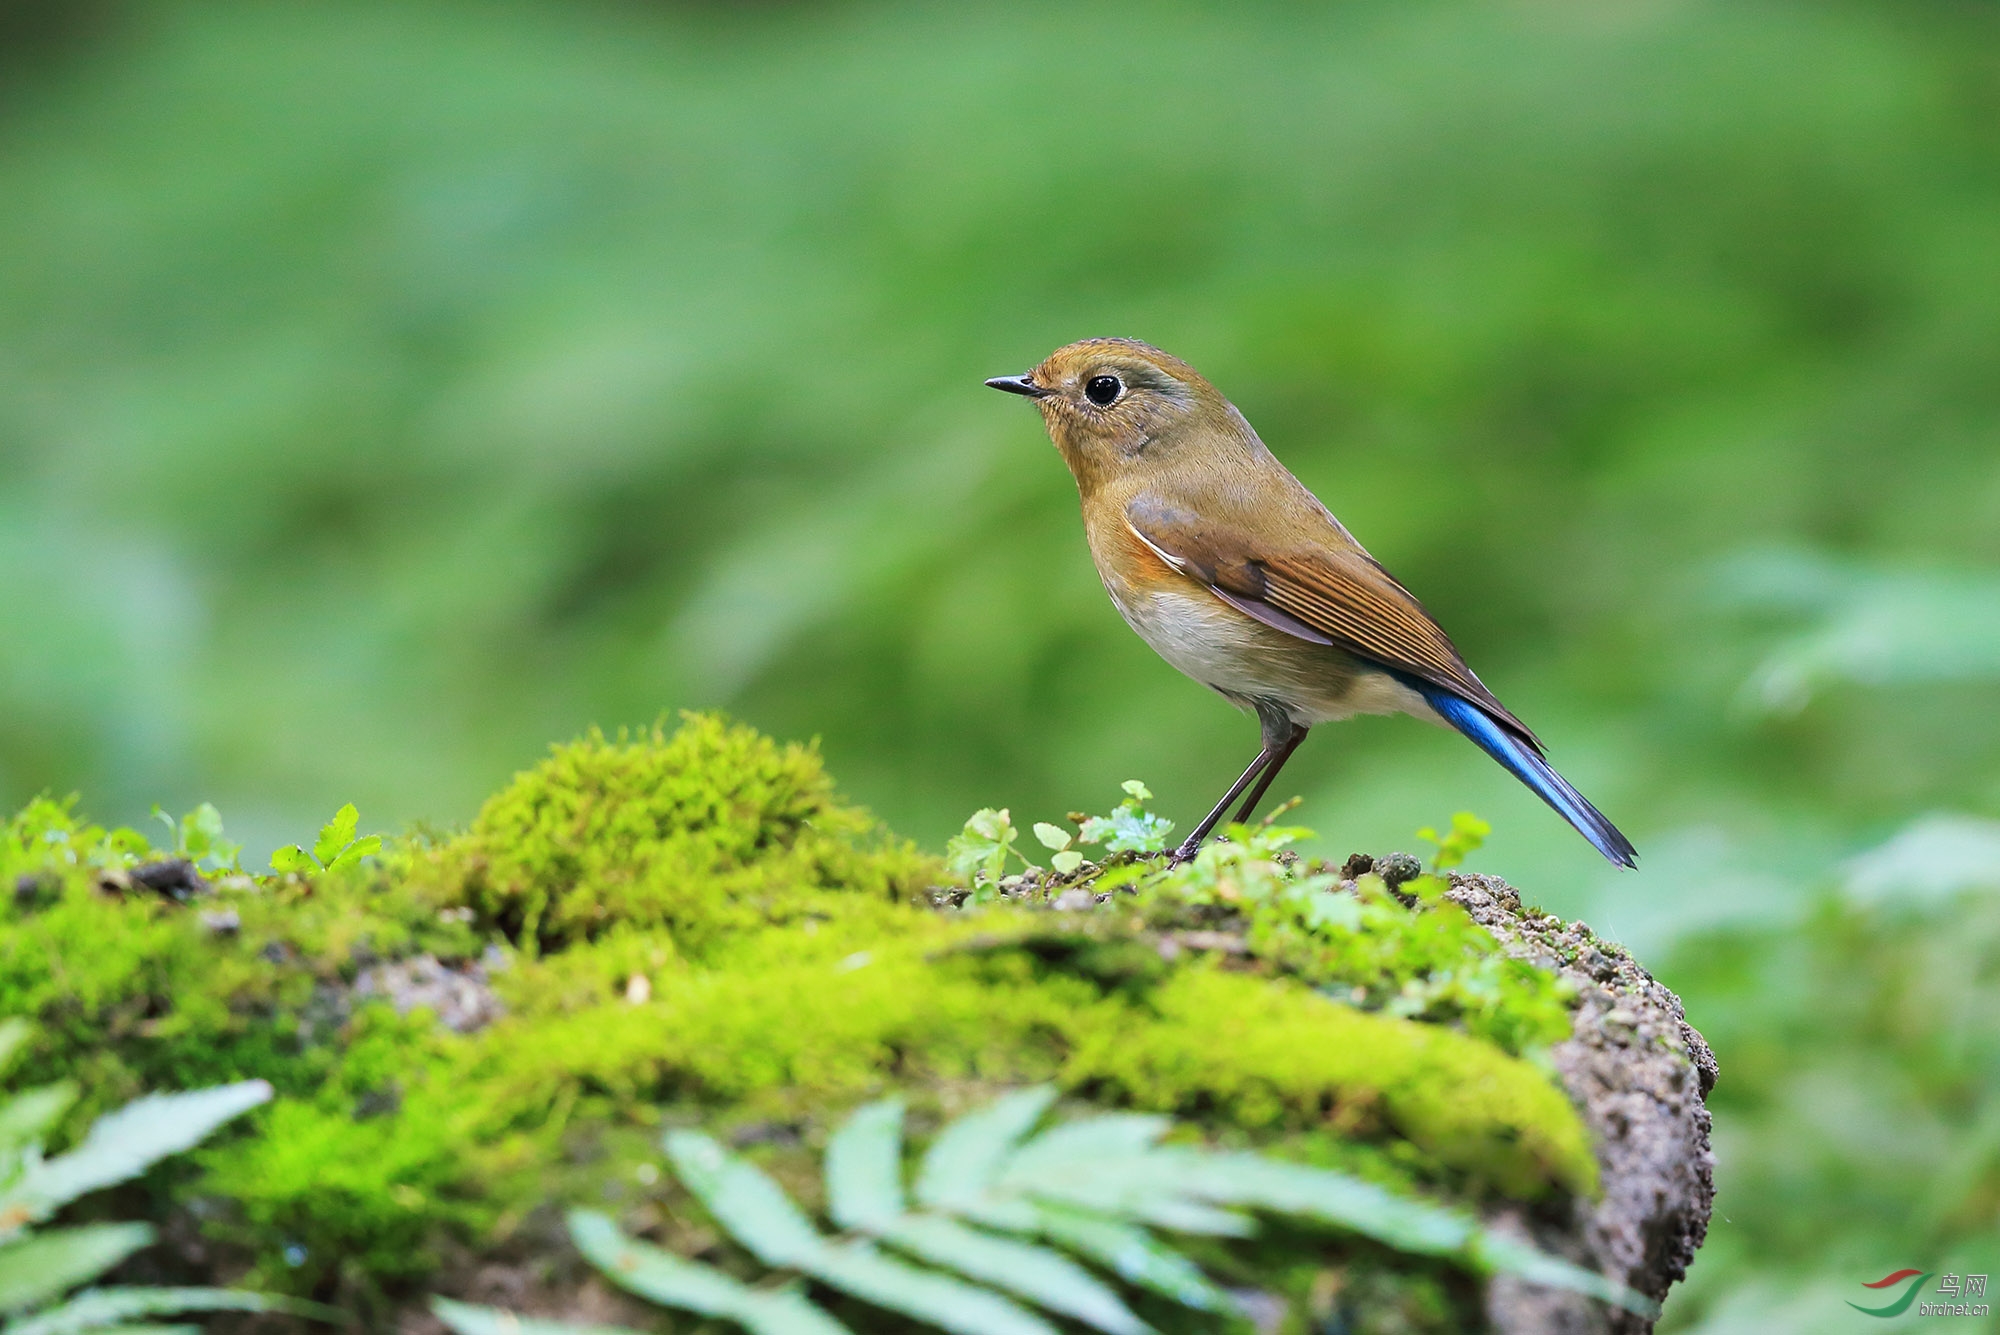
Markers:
388,390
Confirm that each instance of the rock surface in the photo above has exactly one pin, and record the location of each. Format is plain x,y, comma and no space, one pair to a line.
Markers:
1639,1073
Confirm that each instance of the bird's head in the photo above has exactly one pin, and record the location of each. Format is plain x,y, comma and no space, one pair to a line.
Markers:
1112,404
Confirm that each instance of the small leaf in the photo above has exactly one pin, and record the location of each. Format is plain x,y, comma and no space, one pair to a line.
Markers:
1066,862
980,849
466,1319
354,852
1138,792
125,1143
1467,834
1128,829
202,839
1088,1142
174,839
29,1114
969,1153
1243,1179
1041,1276
1328,910
759,1215
1052,836
292,858
107,1308
665,1278
1184,1216
743,1200
864,1167
336,834
49,1264
950,1304
1509,1256
1134,1256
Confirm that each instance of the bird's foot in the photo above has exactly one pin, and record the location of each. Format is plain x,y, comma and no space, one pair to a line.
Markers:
1183,855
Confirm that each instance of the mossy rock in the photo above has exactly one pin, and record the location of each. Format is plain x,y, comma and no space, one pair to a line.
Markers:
693,928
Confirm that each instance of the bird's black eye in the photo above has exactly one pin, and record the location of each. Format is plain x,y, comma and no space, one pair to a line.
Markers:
1102,390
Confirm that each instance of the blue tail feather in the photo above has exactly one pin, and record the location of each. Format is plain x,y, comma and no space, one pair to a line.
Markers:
1526,764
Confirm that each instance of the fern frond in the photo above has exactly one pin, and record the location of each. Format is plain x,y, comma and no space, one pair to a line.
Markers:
969,1153
1044,1277
48,1264
759,1215
467,1319
109,1308
122,1145
27,1116
996,1207
667,1279
864,1167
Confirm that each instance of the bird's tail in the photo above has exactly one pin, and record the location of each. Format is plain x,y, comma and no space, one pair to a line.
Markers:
1525,763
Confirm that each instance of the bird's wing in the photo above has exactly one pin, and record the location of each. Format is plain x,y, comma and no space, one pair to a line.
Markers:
1329,593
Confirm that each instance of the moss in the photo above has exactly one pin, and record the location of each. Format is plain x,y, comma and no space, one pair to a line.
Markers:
1413,955
701,931
711,831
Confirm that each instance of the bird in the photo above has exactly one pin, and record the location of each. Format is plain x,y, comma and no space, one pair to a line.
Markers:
1239,576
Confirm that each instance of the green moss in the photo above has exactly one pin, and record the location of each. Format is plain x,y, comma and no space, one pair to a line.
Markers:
701,931
712,831
1423,959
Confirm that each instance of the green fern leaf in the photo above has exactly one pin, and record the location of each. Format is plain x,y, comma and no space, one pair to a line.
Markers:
51,1263
1509,1256
29,1114
1135,1256
1088,1140
969,1153
864,1192
105,1309
759,1215
1138,1186
864,1167
665,1278
743,1200
1316,1193
469,1320
124,1144
947,1303
1043,1277
335,835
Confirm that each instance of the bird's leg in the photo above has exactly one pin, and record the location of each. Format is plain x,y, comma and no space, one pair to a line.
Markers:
1281,738
1284,753
1185,853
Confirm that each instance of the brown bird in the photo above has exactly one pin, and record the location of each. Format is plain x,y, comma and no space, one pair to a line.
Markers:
1237,575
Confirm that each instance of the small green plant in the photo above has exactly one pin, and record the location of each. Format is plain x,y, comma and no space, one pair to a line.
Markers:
198,837
1455,845
38,1266
336,847
980,850
1064,856
1130,828
1003,1220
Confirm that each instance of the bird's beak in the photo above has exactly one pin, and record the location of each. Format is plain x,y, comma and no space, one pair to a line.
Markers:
1017,384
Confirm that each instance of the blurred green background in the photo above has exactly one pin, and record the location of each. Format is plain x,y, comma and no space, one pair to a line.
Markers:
388,390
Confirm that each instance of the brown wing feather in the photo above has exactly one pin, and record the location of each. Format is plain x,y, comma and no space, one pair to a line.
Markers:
1343,595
